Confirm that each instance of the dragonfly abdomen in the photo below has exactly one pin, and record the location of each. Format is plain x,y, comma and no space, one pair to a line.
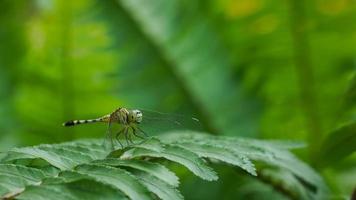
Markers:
85,121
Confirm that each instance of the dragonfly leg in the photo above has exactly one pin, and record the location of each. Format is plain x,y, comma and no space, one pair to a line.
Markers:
130,139
144,133
126,137
109,137
134,132
117,137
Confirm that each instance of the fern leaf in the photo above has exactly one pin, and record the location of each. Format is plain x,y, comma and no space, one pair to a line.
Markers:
262,151
339,144
222,154
290,183
14,178
33,172
151,144
51,157
158,187
117,178
155,169
179,155
85,189
91,148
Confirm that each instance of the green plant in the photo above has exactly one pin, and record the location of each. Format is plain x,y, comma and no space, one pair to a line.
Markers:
84,169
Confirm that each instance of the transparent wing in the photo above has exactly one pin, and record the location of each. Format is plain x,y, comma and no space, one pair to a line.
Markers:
108,140
154,122
111,136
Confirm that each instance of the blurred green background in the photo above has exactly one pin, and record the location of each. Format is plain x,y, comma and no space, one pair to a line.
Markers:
251,68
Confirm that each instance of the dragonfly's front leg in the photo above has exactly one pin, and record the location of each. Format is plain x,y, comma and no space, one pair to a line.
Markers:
144,133
129,136
135,133
126,131
117,137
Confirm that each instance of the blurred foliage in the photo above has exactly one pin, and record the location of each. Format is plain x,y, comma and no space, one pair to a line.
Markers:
253,68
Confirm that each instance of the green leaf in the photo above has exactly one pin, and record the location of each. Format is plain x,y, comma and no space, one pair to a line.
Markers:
3,190
92,148
14,178
51,157
339,144
13,156
154,169
151,144
85,189
160,188
261,151
179,155
31,172
222,154
286,182
63,156
117,178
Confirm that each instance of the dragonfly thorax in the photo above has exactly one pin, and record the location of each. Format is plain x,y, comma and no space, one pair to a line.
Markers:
125,116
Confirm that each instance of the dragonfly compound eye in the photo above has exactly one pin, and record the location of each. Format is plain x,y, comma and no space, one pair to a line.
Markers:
138,115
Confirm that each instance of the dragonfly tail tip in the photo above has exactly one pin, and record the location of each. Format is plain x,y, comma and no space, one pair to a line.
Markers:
68,123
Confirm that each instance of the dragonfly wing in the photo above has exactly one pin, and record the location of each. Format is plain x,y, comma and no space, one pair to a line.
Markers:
154,122
108,141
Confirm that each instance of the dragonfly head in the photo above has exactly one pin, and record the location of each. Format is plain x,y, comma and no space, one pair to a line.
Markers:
135,116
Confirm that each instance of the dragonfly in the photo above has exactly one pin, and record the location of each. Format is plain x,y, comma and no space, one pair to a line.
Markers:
131,120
